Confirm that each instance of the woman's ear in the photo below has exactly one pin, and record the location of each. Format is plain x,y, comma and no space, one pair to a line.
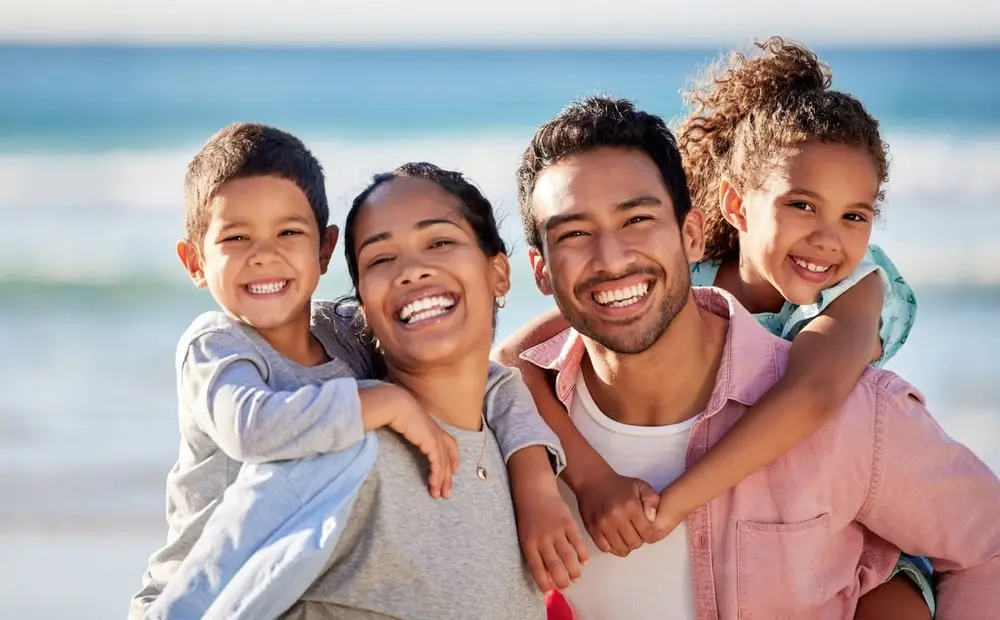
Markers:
731,205
500,274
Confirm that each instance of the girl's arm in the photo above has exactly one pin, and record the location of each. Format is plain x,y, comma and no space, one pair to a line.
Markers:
616,510
827,358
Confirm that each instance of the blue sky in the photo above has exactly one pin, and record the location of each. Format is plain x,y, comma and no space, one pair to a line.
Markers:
533,22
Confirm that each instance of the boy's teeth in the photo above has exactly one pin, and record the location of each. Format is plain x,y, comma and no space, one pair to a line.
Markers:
811,266
426,308
621,297
267,288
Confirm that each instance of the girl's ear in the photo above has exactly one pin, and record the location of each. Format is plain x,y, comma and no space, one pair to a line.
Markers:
731,205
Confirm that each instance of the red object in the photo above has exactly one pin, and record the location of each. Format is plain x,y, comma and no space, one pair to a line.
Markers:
557,608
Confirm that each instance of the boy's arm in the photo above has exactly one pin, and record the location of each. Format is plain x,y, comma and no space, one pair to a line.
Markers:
931,496
826,360
616,510
221,381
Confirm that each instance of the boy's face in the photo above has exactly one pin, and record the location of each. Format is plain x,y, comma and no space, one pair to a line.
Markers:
263,252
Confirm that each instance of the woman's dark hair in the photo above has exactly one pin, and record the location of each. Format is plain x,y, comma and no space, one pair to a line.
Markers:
745,111
473,206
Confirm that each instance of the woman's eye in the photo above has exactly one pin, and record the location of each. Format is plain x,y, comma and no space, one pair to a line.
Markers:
440,243
379,260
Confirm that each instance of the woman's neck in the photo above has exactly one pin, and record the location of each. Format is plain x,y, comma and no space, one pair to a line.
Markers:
452,393
742,280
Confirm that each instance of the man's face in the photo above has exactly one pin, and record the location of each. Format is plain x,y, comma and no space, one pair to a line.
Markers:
613,254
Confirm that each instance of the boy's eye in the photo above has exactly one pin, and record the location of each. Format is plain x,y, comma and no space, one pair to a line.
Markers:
287,233
235,238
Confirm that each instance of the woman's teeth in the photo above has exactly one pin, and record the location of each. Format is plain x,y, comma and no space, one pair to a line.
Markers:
426,308
622,297
811,266
267,288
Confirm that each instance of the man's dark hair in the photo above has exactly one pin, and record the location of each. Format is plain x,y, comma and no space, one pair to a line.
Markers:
244,150
594,123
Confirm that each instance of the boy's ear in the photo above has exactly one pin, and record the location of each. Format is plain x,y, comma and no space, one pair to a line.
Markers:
191,259
327,244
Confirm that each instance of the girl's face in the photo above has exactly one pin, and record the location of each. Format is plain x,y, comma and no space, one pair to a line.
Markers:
427,289
808,226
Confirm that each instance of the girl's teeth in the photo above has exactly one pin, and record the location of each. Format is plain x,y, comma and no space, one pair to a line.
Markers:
811,266
619,298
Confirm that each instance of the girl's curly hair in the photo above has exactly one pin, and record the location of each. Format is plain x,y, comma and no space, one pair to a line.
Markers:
743,113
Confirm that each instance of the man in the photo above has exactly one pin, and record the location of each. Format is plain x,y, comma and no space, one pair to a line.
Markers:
654,379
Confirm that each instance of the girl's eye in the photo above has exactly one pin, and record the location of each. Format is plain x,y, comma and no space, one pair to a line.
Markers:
855,217
802,205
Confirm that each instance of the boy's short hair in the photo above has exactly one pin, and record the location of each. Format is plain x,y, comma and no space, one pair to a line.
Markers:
244,150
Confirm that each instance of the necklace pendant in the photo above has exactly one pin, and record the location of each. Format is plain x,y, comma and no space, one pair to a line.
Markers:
481,472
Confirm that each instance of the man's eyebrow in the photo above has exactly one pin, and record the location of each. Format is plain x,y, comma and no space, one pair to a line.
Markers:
639,201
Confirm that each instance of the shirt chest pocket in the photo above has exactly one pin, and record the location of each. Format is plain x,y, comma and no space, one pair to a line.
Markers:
781,568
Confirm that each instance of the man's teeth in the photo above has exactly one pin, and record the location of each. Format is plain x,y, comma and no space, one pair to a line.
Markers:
267,288
811,266
426,308
622,297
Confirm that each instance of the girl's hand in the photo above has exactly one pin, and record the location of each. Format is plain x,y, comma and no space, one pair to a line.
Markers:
551,543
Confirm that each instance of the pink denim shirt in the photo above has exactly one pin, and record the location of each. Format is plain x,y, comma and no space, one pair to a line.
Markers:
806,536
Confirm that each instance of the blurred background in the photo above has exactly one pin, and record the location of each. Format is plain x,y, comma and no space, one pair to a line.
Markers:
102,104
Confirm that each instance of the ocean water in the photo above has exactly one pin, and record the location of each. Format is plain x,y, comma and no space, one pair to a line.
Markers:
93,144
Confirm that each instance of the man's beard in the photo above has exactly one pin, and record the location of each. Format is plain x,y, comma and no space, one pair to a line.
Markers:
609,336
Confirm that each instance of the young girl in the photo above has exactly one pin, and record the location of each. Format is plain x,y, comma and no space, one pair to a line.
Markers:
789,174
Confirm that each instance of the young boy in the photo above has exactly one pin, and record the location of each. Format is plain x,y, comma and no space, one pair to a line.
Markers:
272,377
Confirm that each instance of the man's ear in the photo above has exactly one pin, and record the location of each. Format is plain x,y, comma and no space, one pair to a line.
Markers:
693,235
191,259
731,205
540,271
327,243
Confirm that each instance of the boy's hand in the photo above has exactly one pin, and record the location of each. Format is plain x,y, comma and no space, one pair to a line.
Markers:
553,548
619,512
393,406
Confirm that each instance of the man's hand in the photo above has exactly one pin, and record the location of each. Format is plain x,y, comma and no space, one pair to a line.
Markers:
619,512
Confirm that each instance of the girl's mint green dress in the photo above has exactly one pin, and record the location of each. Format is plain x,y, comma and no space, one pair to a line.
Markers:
898,310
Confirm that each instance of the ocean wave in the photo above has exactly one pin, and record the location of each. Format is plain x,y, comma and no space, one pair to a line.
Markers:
109,221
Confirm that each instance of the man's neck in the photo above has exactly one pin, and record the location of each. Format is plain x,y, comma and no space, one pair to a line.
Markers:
668,383
452,393
295,340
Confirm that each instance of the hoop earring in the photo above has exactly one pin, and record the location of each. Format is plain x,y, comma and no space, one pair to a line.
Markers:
501,301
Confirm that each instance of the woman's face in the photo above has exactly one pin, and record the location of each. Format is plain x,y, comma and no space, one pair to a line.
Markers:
427,290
